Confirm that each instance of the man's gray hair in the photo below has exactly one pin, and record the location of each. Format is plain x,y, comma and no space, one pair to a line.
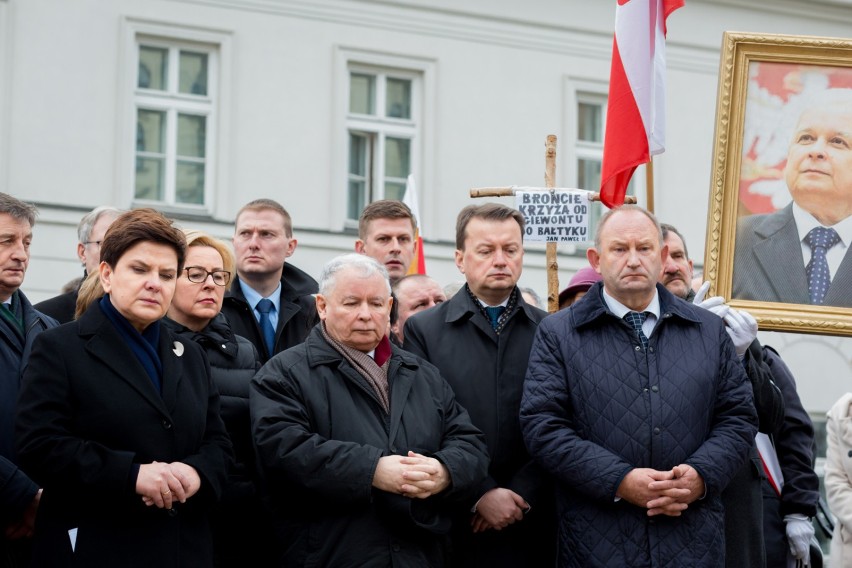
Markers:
366,266
627,207
84,228
18,209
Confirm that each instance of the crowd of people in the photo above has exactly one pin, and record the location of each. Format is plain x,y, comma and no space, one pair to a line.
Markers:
187,405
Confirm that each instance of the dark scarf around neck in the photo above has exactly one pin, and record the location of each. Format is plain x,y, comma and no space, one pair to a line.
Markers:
144,345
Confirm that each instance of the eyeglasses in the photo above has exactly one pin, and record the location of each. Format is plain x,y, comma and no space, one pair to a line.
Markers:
199,275
98,243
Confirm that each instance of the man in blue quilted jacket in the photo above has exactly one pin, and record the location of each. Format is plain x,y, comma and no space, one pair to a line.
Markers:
637,404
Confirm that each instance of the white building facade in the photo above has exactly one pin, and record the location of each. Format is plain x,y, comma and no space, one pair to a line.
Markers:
196,107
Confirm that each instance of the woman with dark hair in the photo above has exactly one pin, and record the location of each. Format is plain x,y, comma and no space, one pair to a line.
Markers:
118,418
240,531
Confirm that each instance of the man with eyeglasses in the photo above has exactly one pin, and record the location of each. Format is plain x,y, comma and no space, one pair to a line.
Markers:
90,233
270,302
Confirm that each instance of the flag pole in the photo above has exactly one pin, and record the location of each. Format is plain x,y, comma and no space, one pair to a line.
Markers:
649,184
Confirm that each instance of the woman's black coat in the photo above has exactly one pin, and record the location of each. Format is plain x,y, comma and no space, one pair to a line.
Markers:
87,413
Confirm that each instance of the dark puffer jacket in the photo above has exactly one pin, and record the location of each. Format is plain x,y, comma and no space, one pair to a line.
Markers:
240,526
595,406
320,432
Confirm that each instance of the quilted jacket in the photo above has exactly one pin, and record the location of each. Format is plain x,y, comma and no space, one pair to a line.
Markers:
595,406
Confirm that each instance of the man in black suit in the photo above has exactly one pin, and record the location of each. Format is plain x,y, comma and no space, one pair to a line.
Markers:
90,233
270,302
800,254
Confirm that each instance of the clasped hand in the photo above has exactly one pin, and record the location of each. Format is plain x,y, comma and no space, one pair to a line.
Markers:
414,475
162,484
662,492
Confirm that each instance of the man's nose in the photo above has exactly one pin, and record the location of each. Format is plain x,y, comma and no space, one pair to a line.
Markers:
19,252
817,149
499,258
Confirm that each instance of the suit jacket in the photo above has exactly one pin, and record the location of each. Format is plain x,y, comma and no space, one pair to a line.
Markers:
297,315
87,414
769,267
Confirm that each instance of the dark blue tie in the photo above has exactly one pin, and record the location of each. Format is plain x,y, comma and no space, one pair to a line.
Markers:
264,307
820,239
494,315
636,319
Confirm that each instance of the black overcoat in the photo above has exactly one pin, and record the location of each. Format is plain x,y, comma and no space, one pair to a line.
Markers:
486,371
87,413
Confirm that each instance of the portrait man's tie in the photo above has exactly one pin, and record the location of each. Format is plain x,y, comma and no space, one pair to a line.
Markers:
819,239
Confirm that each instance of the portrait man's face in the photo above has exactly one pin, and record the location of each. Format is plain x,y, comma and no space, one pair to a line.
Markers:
819,162
356,310
492,258
261,243
391,242
677,269
630,259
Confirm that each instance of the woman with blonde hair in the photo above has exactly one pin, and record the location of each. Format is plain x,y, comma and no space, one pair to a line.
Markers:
240,534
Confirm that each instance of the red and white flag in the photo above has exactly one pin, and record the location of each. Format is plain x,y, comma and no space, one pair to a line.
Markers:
635,121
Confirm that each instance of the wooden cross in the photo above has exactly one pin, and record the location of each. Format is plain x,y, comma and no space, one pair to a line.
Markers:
549,185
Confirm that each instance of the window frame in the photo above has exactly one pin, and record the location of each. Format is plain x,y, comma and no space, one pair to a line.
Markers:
423,97
216,45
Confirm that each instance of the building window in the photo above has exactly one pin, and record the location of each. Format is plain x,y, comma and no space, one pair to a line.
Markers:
175,113
383,134
591,123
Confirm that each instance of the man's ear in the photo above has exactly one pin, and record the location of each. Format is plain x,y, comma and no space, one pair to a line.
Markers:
321,306
291,247
359,247
594,259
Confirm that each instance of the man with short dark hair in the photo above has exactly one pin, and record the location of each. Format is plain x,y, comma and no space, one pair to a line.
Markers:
386,232
270,301
90,233
20,323
363,445
637,404
480,340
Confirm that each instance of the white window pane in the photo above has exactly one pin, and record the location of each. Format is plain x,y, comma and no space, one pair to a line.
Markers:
590,122
394,190
357,198
149,178
362,93
193,73
189,184
150,131
153,68
192,135
397,157
398,98
589,175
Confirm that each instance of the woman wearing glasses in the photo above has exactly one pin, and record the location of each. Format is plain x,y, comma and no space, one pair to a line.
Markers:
238,527
118,418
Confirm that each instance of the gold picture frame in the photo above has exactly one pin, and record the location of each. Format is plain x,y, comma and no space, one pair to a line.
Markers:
766,82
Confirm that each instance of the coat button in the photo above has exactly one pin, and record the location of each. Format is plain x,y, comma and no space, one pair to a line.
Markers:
651,349
637,348
655,388
173,512
166,424
656,430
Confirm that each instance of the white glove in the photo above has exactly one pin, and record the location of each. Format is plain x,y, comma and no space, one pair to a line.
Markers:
716,304
741,328
800,530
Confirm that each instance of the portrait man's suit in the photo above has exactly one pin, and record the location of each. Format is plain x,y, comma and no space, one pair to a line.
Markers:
769,267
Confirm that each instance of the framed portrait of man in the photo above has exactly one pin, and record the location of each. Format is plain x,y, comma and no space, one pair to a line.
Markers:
779,240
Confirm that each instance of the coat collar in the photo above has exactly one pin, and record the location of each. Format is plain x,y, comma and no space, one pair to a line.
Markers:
592,307
105,344
461,306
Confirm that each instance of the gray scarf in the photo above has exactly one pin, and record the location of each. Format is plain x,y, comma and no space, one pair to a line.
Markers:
376,376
